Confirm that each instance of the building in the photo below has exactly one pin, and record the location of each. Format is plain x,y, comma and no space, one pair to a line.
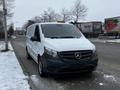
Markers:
112,25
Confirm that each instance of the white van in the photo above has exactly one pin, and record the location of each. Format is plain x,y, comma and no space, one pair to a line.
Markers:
60,48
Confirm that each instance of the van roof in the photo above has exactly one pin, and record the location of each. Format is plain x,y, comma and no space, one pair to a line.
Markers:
53,23
49,23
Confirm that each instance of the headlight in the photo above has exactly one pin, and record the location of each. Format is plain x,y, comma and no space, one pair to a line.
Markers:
50,52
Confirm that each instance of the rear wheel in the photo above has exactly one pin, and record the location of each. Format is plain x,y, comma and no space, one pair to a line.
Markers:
41,68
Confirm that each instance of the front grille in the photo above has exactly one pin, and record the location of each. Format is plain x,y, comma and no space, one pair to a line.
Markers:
84,55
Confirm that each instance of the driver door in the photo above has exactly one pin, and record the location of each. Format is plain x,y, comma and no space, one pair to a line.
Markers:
36,44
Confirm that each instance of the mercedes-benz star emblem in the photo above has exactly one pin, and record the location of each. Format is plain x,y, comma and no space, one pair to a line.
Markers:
78,55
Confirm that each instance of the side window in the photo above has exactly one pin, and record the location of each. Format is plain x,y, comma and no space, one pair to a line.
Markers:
37,33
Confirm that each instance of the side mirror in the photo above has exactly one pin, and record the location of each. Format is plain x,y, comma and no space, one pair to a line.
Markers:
33,38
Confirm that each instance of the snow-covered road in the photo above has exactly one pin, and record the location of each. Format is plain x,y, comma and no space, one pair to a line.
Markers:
11,74
106,77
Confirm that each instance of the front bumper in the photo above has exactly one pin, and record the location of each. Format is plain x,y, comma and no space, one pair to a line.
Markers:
58,66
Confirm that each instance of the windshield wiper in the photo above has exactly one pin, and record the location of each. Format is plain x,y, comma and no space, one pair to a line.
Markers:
55,37
67,37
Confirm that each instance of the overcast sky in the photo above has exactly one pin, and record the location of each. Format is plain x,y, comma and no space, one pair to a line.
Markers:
97,9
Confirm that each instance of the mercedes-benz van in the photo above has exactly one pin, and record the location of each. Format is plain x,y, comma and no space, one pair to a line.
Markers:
60,48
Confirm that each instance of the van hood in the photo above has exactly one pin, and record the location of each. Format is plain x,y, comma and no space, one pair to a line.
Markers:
69,44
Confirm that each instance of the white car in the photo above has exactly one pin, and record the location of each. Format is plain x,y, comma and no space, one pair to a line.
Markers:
60,48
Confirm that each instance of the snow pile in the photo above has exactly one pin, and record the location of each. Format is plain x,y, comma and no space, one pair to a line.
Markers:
114,41
110,77
11,74
105,41
97,40
101,84
2,45
13,37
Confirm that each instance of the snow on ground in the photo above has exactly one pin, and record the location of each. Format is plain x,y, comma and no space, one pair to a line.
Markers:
105,41
101,84
13,37
2,45
97,40
46,84
110,77
114,41
11,74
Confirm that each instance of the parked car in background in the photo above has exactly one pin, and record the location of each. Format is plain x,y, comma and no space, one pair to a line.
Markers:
90,29
60,48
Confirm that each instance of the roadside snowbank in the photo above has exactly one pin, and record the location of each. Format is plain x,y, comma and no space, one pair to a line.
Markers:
97,40
114,41
11,74
105,41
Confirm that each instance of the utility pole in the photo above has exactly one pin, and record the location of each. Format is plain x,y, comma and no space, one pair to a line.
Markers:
5,25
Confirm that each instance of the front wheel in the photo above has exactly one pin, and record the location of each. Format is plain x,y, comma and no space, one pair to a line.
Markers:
41,69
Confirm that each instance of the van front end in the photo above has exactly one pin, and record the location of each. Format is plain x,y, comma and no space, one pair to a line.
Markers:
70,61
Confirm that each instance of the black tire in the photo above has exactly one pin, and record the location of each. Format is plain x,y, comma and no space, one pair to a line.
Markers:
28,55
41,68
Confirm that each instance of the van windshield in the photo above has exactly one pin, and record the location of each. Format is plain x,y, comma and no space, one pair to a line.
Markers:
60,31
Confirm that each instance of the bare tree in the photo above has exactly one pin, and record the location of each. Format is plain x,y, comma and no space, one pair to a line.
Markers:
27,24
37,19
78,10
9,6
49,16
65,15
